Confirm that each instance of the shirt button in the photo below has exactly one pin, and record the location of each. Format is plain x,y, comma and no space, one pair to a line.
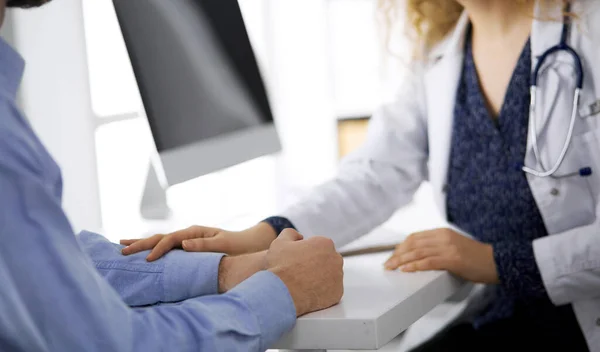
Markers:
554,192
598,322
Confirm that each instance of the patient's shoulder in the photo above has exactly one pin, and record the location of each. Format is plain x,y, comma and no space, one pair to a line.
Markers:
20,149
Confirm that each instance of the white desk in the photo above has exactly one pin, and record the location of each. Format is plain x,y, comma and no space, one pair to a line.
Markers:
376,307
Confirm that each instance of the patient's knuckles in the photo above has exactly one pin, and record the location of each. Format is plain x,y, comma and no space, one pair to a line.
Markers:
323,243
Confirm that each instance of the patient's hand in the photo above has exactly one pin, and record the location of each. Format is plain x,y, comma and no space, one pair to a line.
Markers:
311,269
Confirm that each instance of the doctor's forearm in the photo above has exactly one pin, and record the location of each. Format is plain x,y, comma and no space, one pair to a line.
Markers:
364,195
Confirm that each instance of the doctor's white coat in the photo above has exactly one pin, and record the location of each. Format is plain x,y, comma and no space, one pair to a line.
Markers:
409,142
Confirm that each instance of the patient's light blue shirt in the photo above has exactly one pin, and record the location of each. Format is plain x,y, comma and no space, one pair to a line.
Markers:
61,292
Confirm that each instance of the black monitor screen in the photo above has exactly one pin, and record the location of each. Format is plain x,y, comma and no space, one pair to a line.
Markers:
195,68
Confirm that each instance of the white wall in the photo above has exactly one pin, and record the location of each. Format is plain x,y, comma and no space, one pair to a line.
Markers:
301,89
55,97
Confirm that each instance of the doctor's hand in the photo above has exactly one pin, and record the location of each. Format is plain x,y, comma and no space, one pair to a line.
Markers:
204,239
445,249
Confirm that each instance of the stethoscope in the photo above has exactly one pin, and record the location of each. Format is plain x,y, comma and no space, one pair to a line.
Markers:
562,46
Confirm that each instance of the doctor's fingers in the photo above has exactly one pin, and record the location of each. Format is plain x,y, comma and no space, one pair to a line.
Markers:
161,244
129,242
400,259
219,244
426,264
414,239
135,246
177,239
415,243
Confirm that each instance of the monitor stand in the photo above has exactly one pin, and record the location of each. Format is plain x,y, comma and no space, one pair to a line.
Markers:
154,204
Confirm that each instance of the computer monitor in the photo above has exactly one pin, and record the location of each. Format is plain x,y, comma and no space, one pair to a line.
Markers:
200,85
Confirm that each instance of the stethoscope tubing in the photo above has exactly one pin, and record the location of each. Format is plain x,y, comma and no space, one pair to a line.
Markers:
564,47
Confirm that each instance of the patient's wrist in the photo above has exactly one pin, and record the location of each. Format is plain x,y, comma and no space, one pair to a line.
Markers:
235,269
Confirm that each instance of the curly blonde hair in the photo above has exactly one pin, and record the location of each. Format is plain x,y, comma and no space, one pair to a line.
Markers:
429,21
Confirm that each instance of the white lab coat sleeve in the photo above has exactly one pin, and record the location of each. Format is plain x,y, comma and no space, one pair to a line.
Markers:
570,264
382,175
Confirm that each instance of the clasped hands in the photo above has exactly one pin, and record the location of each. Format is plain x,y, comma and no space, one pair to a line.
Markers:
296,261
311,269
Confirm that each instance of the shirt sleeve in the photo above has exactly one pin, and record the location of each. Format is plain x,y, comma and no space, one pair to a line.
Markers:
176,276
54,299
517,269
569,264
378,178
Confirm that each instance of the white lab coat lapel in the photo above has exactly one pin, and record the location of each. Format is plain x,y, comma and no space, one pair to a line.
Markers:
441,82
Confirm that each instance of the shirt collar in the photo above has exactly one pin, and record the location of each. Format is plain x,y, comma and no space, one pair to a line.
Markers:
454,42
12,66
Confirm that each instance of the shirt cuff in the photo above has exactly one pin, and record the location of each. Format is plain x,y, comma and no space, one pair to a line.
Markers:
279,223
517,269
189,275
270,301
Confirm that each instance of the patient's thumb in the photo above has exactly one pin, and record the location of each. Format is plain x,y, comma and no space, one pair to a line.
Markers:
290,235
